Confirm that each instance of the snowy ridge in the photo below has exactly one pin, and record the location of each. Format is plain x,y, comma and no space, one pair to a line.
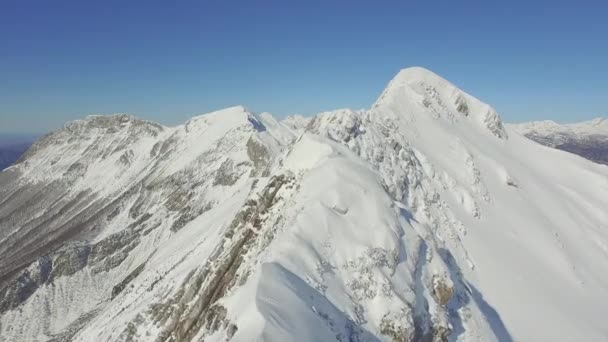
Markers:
423,218
417,86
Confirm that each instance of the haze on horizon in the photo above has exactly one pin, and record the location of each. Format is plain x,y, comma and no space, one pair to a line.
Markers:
64,60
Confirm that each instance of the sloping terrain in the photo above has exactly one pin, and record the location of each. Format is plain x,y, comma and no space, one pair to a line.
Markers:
587,139
423,218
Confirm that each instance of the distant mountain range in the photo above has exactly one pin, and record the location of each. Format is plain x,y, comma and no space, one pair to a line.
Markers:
12,147
588,139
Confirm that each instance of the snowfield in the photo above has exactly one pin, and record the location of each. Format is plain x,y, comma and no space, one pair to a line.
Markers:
423,218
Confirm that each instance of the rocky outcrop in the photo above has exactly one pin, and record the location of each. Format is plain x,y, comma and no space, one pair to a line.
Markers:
197,301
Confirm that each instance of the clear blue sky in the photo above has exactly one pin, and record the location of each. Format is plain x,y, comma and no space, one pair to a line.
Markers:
169,60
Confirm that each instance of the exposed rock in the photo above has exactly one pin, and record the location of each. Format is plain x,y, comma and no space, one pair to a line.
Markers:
118,288
112,251
17,292
227,174
397,333
220,274
258,154
494,123
126,158
462,106
70,261
441,334
442,292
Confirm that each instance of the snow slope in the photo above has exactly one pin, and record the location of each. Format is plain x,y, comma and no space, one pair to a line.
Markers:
422,218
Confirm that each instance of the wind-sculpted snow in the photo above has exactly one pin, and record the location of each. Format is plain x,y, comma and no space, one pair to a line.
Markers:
420,219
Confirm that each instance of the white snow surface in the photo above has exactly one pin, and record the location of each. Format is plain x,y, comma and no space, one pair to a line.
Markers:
379,208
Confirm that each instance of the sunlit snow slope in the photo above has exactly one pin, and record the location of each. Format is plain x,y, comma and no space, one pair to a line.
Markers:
423,218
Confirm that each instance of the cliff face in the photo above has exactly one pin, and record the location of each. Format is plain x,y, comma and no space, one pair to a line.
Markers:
423,218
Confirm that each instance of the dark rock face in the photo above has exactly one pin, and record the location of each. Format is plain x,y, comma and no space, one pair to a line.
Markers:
101,257
257,153
219,274
25,284
116,290
400,334
442,292
70,261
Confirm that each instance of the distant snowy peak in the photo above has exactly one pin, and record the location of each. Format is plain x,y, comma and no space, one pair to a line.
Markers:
588,139
125,124
597,126
296,122
105,126
228,117
81,141
418,90
601,122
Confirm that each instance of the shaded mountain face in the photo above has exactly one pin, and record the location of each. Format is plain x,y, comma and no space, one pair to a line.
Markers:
423,218
12,147
587,139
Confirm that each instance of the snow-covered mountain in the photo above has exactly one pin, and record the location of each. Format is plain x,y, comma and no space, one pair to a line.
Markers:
588,139
423,218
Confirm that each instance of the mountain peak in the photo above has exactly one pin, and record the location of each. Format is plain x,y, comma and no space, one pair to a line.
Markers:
418,90
418,81
599,121
232,112
418,74
236,115
109,123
